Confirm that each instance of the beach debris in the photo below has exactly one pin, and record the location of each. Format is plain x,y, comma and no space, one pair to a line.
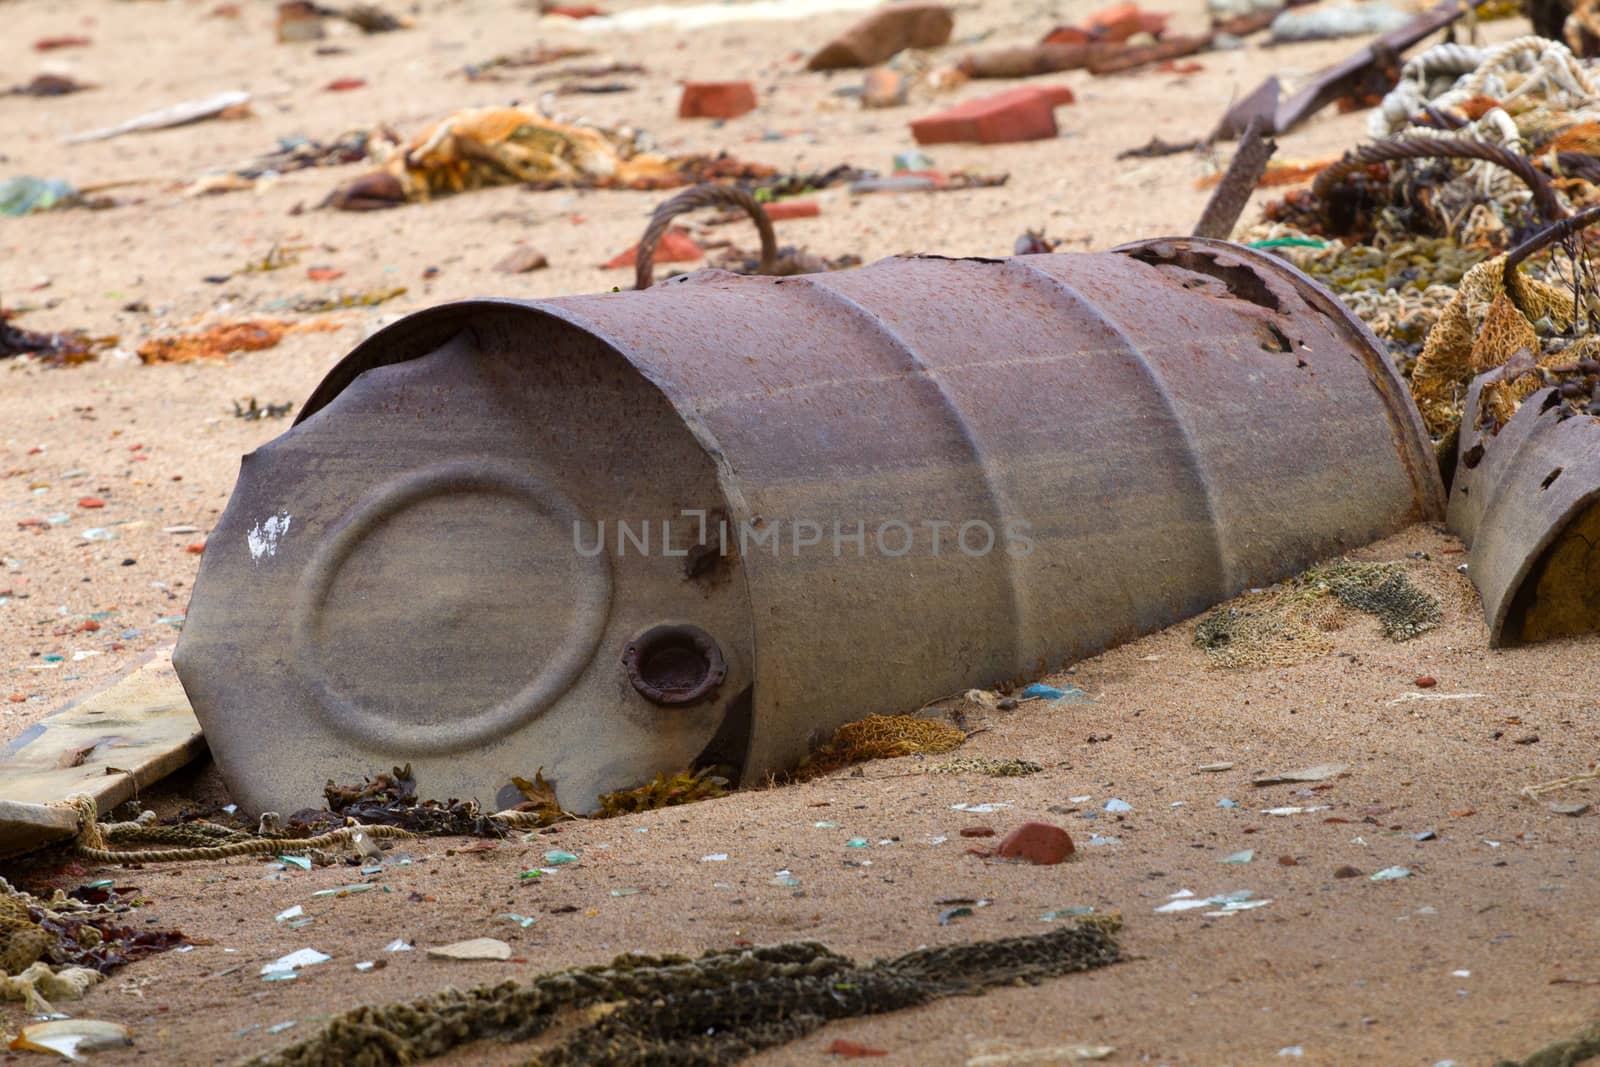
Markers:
60,348
1232,194
249,408
68,1037
886,31
391,800
996,1053
293,961
1236,900
180,114
477,948
1239,857
483,147
1534,792
1322,772
1282,115
299,21
1343,20
40,983
1037,843
522,259
882,87
48,84
855,1050
716,100
637,1007
1573,808
1215,768
1025,114
23,195
664,791
1390,874
881,737
214,343
1288,623
656,244
987,766
52,44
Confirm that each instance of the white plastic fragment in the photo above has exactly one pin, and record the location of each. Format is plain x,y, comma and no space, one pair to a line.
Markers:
68,1037
304,957
477,948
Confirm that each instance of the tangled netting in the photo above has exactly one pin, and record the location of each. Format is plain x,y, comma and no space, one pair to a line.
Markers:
1414,246
1289,623
987,766
1581,1047
882,737
55,948
675,1010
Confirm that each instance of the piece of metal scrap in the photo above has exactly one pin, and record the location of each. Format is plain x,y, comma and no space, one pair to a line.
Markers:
612,535
1527,502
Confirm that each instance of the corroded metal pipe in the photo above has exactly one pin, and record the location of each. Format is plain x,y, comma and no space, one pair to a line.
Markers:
1527,502
611,535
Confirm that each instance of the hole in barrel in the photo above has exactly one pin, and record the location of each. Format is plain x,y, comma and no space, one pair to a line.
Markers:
674,664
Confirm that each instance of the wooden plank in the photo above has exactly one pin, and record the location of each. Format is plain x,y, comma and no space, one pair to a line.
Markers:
109,744
25,827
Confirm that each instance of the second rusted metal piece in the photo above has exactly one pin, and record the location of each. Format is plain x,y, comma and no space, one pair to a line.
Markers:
1527,502
866,489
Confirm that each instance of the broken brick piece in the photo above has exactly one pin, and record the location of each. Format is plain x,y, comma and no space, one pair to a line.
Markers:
1121,21
676,246
977,831
793,209
1036,842
885,32
1026,114
716,100
853,1050
572,11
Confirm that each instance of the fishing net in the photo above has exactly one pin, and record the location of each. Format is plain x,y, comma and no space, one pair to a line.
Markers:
1290,623
717,1009
986,766
882,737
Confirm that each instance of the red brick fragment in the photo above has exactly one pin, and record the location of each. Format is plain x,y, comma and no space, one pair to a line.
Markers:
50,44
676,247
793,209
977,831
1121,21
716,100
91,502
854,1050
1026,114
1427,682
1036,842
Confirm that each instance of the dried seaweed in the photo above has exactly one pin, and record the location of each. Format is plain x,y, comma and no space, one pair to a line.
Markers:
391,800
663,791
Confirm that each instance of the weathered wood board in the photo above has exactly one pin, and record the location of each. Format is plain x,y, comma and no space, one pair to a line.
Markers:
109,744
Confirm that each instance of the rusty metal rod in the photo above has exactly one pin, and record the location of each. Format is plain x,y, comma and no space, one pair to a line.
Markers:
1557,231
1228,201
1544,194
707,195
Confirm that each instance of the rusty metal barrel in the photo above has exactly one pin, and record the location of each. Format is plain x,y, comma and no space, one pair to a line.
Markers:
609,536
1527,502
